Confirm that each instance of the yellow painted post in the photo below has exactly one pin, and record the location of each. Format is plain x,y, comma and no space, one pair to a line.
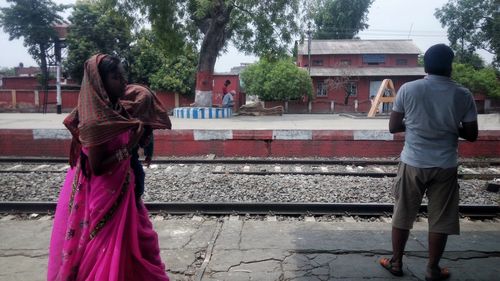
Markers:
37,98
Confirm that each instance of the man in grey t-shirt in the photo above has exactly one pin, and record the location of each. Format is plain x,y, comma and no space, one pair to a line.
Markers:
433,112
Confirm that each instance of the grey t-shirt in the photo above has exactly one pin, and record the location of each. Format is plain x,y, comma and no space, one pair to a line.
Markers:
433,107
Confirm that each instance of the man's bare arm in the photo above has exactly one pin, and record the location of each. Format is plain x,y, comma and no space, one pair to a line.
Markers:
396,122
468,131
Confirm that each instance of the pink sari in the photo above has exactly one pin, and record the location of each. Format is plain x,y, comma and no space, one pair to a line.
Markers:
100,232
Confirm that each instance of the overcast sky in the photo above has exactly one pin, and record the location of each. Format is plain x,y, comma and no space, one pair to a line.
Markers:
388,19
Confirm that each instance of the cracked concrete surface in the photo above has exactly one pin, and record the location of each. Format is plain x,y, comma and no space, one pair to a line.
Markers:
236,250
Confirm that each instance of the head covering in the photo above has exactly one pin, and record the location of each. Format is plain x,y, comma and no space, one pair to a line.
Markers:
94,121
141,103
438,60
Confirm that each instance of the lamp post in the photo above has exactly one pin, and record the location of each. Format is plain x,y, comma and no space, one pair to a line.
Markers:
309,36
57,49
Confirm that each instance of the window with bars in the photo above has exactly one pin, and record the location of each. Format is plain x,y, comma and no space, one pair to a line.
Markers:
321,89
345,62
401,61
351,89
373,59
317,62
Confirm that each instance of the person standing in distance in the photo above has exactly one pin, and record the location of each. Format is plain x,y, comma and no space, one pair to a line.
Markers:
228,99
433,112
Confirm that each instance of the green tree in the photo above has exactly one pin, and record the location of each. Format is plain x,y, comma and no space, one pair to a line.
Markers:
339,19
153,66
96,28
469,58
472,25
33,20
146,58
253,26
7,71
279,80
177,74
482,81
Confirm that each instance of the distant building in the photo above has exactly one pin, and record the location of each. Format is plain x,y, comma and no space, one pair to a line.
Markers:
31,71
349,72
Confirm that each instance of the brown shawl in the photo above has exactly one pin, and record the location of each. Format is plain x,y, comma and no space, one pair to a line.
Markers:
94,121
141,103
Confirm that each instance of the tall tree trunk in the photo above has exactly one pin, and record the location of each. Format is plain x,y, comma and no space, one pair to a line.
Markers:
214,29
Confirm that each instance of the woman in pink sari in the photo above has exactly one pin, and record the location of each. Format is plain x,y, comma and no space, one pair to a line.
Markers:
101,230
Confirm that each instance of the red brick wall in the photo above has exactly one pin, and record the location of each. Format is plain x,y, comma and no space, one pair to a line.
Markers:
235,85
30,83
5,98
25,99
252,143
168,100
20,83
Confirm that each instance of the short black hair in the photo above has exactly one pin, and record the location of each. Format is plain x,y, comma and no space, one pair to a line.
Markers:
108,65
438,60
227,82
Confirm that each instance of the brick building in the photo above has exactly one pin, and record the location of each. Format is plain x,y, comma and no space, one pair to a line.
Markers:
347,73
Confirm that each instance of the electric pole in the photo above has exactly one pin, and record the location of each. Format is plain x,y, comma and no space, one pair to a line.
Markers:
309,37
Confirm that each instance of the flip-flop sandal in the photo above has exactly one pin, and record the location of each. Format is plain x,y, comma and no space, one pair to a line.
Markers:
394,269
444,274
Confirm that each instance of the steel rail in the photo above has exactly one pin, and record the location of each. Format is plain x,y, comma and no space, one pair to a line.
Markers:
266,208
481,163
350,174
304,173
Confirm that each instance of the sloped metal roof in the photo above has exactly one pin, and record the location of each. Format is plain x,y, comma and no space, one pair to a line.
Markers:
367,71
356,46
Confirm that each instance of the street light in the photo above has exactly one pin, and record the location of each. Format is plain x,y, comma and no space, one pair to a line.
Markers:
309,33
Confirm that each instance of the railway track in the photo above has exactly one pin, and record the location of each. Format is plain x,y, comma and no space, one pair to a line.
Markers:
357,168
483,170
298,161
285,209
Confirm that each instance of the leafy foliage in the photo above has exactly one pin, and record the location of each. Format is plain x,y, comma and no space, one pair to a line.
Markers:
472,25
469,58
261,27
483,81
167,19
146,58
253,26
339,19
33,20
7,71
153,66
280,80
96,28
177,74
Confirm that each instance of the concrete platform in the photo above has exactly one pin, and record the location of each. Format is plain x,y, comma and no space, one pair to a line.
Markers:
325,135
234,250
285,122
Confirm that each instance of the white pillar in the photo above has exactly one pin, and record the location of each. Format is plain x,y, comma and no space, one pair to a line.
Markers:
58,88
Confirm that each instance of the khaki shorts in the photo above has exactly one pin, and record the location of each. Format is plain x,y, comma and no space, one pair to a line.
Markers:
441,186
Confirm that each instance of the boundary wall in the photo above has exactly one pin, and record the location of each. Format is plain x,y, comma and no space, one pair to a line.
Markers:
247,143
